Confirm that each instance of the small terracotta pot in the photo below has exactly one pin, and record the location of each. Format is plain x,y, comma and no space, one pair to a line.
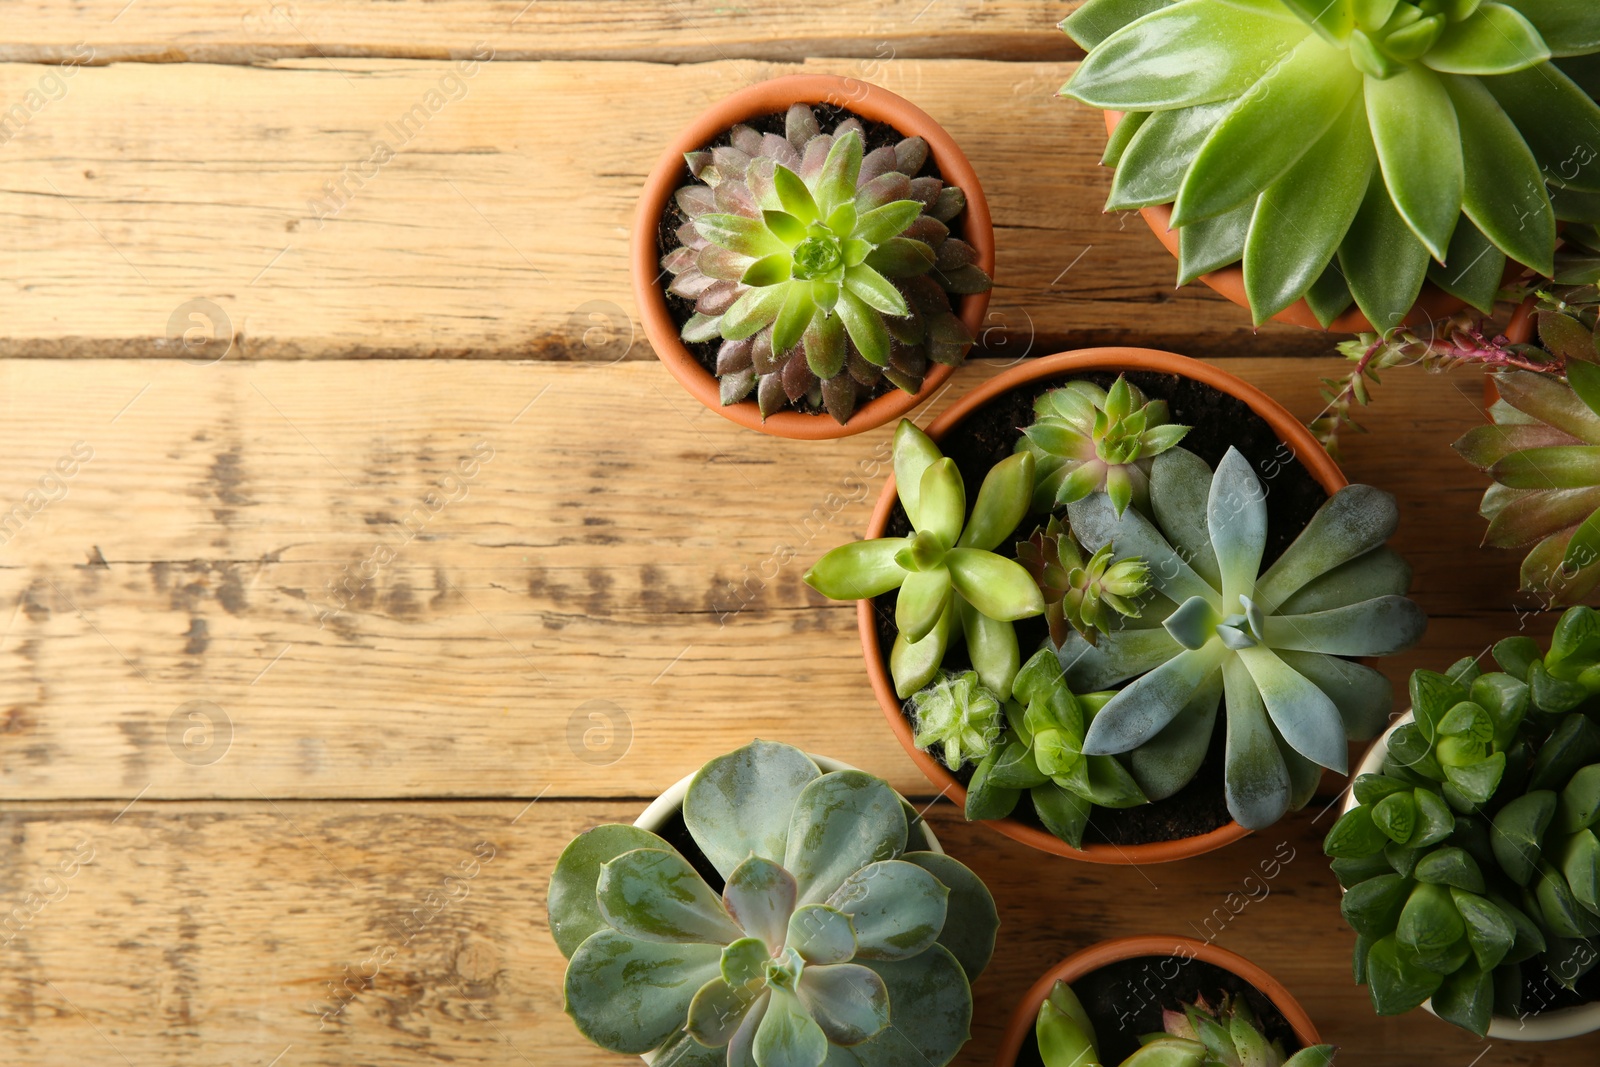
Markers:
773,97
1433,303
1106,953
1289,430
1544,1026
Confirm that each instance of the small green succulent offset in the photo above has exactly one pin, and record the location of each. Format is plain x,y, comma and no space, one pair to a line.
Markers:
1274,642
1472,856
1198,1035
1086,592
1085,438
959,716
952,583
1543,452
1345,150
829,942
1041,755
821,267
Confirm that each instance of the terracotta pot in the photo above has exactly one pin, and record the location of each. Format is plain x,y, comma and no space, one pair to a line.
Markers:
766,98
1289,431
1433,303
669,803
1105,953
1545,1026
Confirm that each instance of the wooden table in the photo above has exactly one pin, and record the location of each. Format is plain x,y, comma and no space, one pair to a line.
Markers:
288,692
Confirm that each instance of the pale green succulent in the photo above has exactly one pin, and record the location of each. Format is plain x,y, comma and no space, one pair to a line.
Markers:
1272,641
951,581
1085,438
1198,1036
1088,592
1344,150
957,714
830,943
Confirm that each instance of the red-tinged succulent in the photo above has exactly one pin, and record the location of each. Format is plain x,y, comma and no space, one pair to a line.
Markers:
1083,591
821,267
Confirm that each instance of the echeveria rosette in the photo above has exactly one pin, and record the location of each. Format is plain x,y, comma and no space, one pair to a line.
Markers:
1275,642
1042,755
1472,854
1085,438
820,266
1543,452
952,583
958,716
827,930
1083,591
1193,1035
1347,149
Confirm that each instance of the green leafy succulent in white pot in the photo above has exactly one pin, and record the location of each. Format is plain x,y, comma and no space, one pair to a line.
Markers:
832,941
1346,150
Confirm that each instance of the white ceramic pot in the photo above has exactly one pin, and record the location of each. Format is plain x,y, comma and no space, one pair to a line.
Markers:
1545,1026
664,806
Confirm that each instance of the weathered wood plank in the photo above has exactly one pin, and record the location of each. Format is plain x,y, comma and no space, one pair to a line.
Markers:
298,545
203,933
675,31
397,208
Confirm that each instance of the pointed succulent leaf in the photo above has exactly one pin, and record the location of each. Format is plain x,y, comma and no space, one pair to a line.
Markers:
1377,627
1372,907
1495,39
836,184
1518,830
914,453
858,570
1256,781
1096,523
1064,1039
997,587
1236,514
1002,502
740,804
1144,707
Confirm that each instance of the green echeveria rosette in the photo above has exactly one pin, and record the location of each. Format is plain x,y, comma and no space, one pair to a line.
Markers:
830,942
1471,857
822,268
1276,643
1345,150
1543,453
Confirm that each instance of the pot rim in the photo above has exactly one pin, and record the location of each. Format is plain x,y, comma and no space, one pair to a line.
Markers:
1432,303
1557,1025
1305,448
766,97
1088,960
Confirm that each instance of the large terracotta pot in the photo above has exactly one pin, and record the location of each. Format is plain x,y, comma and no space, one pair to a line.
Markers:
1105,953
669,173
1289,430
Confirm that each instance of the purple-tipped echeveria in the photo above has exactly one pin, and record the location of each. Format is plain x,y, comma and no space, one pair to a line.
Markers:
821,267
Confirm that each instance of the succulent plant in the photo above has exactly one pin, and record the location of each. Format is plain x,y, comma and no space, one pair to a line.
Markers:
1473,855
1085,438
1346,149
1197,1036
1082,594
821,267
951,581
1274,642
1042,755
957,714
1543,452
829,941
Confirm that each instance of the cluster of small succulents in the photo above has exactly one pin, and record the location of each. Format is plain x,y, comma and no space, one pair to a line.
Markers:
1083,591
1198,1035
828,930
1274,643
952,583
1471,857
1345,150
822,268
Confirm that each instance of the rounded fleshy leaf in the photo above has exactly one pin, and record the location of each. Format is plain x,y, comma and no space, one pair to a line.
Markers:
858,570
992,647
760,895
913,664
1354,521
897,908
821,934
1002,503
924,596
941,502
876,291
1305,716
788,1036
971,920
1495,39
716,1012
1236,515
574,912
932,1001
849,1002
630,996
655,895
1255,779
998,587
1146,705
842,821
741,804
865,327
1377,627
1415,131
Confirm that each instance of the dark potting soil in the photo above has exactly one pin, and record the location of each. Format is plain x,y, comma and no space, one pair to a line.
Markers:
878,135
1218,421
1126,999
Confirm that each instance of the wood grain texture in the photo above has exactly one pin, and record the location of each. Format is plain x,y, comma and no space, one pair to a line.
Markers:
297,545
206,933
673,31
397,208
